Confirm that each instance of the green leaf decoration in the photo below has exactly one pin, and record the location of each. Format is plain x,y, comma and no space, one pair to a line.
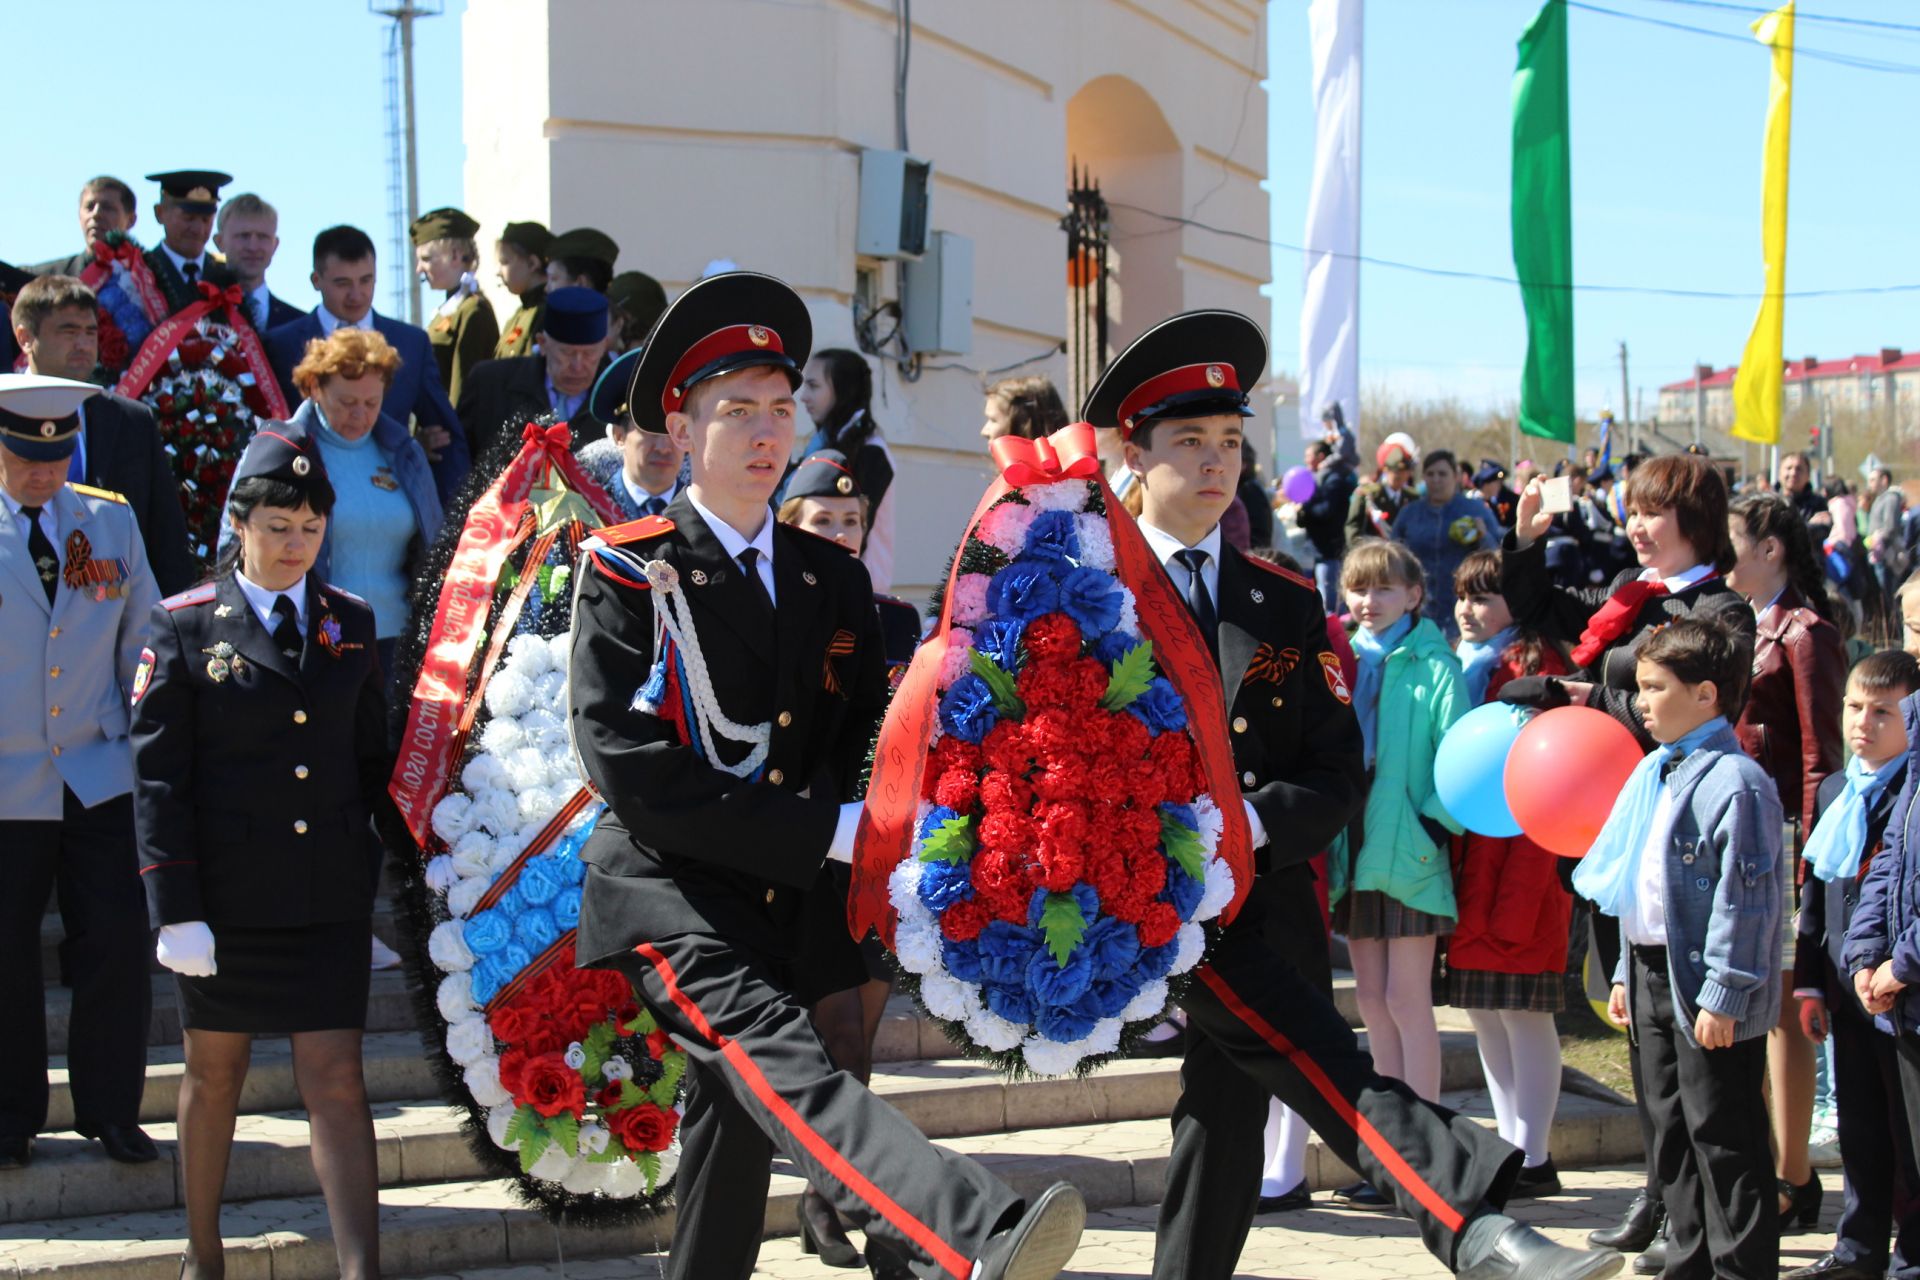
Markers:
565,1130
1006,697
649,1163
525,1121
631,1095
598,1047
533,1148
1063,925
660,1092
1183,845
643,1025
1132,673
951,841
612,1152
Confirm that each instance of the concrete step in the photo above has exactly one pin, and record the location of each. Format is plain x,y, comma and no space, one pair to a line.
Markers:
52,932
453,1224
419,1137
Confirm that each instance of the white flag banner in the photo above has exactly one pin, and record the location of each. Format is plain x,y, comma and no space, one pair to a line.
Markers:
1330,308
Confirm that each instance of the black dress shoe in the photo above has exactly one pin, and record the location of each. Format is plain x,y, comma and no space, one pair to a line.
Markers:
1041,1242
1536,1180
1653,1259
1522,1253
1829,1267
125,1143
1636,1230
1288,1201
16,1153
1361,1195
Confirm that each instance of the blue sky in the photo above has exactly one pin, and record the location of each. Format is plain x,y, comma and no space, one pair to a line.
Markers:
1666,146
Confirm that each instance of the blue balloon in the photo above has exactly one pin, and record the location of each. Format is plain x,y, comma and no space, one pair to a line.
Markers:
1469,769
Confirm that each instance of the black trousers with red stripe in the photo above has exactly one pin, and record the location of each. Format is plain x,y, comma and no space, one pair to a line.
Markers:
1256,1027
760,1081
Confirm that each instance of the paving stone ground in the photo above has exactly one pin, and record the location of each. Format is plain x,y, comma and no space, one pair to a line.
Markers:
1317,1244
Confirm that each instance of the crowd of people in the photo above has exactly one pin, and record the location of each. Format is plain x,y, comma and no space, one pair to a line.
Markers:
196,736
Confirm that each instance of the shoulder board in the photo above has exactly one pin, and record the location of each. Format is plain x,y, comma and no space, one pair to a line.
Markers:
622,566
91,492
198,595
841,547
1282,571
634,530
344,594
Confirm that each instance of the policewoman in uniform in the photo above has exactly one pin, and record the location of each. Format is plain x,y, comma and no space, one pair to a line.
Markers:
727,777
75,592
260,748
1257,1025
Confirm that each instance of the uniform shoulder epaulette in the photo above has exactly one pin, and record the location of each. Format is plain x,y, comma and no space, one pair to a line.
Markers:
622,566
91,492
1279,570
634,530
196,595
346,595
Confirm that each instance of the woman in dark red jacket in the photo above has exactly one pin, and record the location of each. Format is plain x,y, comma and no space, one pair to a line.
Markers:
1791,725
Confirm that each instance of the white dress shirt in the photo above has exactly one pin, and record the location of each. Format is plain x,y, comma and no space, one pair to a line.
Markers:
640,495
1680,581
262,600
1166,546
49,518
180,263
1646,924
329,322
734,543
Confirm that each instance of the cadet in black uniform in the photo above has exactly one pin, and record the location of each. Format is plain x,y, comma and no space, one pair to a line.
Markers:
1256,1025
260,749
726,776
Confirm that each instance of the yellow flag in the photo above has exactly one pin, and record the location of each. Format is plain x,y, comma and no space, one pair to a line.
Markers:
1756,387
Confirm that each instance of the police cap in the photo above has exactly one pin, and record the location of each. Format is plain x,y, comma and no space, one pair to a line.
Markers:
1195,365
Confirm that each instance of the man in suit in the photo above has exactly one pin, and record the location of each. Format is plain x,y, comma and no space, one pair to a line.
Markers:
57,324
106,205
708,869
1257,1026
75,595
180,262
521,252
344,273
248,233
501,394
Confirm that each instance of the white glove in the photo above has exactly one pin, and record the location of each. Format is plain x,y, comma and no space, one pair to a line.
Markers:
841,850
1254,825
187,949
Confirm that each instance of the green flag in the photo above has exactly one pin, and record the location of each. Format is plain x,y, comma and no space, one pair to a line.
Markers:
1543,224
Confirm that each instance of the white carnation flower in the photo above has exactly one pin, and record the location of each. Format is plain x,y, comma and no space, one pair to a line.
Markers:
509,693
669,1162
455,996
483,1082
482,772
526,768
916,944
463,897
560,650
947,997
554,1164
1105,1037
447,947
1208,821
991,1031
1219,890
473,854
1050,1057
441,874
903,887
469,1040
1129,624
453,817
537,804
626,1181
1061,495
1189,944
529,655
585,1177
498,1118
550,691
1150,1003
499,811
1096,542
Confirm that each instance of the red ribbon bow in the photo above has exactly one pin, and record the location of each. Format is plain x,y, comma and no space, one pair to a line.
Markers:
232,296
106,254
1070,452
555,436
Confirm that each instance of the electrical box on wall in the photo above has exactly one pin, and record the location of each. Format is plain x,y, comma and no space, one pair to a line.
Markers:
893,205
936,297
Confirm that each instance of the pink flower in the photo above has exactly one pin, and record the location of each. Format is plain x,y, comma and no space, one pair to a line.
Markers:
957,663
1005,527
970,599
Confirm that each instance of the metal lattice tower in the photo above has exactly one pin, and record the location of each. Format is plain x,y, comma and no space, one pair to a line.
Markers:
403,168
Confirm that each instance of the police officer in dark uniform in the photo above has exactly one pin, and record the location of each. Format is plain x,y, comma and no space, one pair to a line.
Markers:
259,729
726,777
1257,1026
75,591
180,262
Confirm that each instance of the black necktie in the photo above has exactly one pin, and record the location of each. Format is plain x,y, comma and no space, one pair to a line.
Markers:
191,270
749,560
286,628
45,562
653,506
1199,603
259,316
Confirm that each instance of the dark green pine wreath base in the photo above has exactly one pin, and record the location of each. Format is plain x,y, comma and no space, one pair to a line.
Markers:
419,908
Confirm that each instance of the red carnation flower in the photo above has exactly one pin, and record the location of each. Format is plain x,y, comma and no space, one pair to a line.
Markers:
1052,638
1000,791
957,789
550,1086
998,871
963,921
1064,778
1127,739
1009,830
954,753
1061,866
511,1024
1007,749
512,1063
1159,925
643,1128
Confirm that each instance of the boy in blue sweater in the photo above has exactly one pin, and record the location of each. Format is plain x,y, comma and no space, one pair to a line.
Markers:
1690,862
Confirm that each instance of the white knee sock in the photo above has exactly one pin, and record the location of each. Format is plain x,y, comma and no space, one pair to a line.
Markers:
1285,1143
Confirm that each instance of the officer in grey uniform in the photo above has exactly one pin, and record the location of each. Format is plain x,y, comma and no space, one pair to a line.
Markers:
75,592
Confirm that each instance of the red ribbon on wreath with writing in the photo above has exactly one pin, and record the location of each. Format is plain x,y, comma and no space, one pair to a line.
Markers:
145,288
168,335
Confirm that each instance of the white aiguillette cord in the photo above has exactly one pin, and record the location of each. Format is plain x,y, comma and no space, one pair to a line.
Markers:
677,623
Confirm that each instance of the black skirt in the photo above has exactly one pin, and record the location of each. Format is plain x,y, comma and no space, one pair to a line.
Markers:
278,981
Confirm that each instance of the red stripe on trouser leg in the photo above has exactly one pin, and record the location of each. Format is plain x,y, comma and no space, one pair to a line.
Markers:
1375,1141
911,1227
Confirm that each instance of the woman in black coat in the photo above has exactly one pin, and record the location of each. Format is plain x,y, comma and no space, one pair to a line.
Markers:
260,753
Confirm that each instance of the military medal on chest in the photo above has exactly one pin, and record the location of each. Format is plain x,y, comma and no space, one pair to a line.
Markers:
224,660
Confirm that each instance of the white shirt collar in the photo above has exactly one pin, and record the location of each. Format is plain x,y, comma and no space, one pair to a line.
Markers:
49,514
1679,581
732,540
641,497
329,321
179,263
1166,546
262,600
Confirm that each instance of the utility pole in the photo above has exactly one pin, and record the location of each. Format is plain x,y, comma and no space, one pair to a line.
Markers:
1626,405
1699,400
401,130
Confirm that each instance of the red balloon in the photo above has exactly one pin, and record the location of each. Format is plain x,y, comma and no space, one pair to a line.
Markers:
1565,771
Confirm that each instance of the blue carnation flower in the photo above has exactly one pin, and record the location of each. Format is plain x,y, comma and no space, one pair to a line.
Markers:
1000,640
1004,948
963,960
1159,708
1010,1002
1184,814
1182,890
539,880
1024,589
1114,947
967,711
566,907
1155,962
1113,996
574,870
935,817
1091,598
1083,893
1052,535
488,931
513,957
488,976
1112,647
1064,1025
944,883
534,929
1053,984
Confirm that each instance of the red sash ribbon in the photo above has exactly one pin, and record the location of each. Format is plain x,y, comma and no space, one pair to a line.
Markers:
171,332
146,289
885,834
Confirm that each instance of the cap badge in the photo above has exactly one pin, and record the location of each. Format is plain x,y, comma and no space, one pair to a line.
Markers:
1259,596
809,579
758,335
198,193
1216,376
301,466
48,428
844,484
699,577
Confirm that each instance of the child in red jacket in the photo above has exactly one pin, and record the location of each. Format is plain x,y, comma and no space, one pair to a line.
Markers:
1507,958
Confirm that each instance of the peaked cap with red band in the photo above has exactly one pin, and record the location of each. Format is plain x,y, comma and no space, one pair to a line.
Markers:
1194,365
281,451
735,320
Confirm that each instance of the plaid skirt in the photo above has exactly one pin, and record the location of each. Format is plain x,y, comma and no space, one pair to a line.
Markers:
1368,913
1523,992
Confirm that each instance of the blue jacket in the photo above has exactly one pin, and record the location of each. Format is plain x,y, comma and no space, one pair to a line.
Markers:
1886,923
1442,538
1725,905
416,391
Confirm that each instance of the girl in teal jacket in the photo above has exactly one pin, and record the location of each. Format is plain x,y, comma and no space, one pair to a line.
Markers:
1394,886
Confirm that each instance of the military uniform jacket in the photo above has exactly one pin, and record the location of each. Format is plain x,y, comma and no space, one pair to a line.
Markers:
258,772
524,325
462,337
686,846
66,669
